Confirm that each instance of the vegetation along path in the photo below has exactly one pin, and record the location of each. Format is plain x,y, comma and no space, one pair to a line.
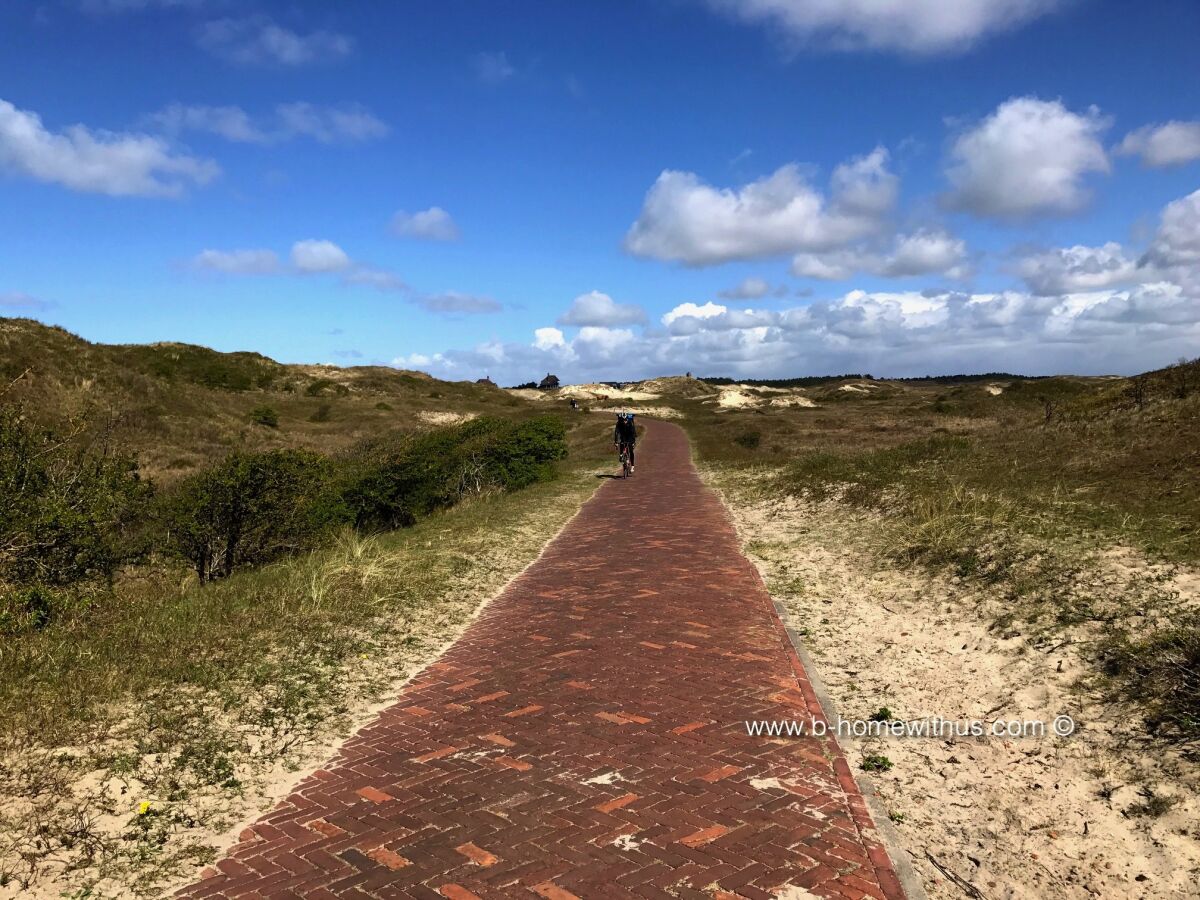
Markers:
586,738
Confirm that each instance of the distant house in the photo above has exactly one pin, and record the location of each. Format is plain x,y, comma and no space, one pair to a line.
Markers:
549,383
486,381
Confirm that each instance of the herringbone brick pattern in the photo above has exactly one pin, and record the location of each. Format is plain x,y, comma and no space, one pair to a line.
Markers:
585,738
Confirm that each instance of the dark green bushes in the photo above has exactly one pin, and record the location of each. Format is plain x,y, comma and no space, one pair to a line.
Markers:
265,416
395,485
252,508
72,513
750,439
69,510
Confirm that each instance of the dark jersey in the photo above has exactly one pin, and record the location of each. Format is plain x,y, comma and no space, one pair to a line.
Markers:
625,432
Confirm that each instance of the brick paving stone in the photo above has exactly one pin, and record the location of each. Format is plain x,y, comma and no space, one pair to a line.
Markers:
585,738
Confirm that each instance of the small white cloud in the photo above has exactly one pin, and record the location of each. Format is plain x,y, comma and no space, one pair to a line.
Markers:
750,289
258,40
101,162
1069,270
595,309
238,262
691,310
433,224
493,68
229,122
926,253
685,220
319,256
1177,241
328,124
548,338
1029,157
1160,146
909,26
923,252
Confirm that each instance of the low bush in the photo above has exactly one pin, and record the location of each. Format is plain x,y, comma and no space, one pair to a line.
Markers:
69,509
750,439
252,508
264,415
393,485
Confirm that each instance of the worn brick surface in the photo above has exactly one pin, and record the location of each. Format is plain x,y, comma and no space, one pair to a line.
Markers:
585,738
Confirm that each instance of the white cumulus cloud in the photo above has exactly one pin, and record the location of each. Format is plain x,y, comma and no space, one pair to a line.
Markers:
922,252
909,26
95,161
1069,270
548,338
1177,241
595,309
1159,146
319,256
1029,157
683,219
433,224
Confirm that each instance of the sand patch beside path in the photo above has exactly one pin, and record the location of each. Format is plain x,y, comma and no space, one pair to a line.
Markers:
1025,818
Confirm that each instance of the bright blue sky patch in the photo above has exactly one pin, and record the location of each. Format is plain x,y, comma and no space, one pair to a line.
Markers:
610,190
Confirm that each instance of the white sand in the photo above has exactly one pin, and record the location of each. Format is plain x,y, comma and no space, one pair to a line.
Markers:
603,392
1027,818
796,400
737,398
442,419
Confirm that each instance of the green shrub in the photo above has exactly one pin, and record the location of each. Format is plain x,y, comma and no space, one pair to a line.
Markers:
749,439
68,515
394,485
264,415
323,386
252,508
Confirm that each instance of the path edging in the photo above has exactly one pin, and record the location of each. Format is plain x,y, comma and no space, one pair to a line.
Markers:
901,858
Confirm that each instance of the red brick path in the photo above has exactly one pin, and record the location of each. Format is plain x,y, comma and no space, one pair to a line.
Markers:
585,738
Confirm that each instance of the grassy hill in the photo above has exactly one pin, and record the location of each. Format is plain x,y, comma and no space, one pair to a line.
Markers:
180,406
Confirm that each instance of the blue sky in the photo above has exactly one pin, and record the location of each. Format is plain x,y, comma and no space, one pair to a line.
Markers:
616,190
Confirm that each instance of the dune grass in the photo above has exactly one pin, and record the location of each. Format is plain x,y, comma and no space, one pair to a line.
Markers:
1021,491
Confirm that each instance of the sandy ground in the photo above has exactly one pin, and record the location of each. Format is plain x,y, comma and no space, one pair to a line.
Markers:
1006,818
604,392
442,419
742,396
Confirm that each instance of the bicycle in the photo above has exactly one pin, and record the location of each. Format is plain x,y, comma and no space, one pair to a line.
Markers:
626,467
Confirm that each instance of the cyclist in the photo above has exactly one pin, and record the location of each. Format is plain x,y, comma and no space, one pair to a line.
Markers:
625,435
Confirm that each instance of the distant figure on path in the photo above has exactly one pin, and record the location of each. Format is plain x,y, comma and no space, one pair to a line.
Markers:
625,435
